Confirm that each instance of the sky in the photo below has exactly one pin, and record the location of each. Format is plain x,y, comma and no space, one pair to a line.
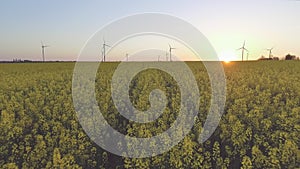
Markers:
67,25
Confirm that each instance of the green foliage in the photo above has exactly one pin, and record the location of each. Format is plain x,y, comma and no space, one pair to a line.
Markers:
246,163
259,129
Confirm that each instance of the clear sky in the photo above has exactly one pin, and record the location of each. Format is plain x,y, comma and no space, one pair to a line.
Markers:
67,25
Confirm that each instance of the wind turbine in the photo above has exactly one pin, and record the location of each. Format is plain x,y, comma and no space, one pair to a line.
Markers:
170,50
270,52
104,45
127,57
43,50
243,50
158,57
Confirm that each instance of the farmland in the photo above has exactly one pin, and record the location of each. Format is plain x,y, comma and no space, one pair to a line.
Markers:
260,126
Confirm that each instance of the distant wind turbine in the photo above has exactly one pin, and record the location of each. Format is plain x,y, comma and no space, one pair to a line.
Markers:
104,45
170,50
43,50
243,50
127,57
270,52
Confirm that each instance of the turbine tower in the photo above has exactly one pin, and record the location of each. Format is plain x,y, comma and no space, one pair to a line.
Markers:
270,52
104,45
43,50
170,50
243,50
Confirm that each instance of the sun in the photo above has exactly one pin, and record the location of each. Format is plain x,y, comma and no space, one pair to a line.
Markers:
227,56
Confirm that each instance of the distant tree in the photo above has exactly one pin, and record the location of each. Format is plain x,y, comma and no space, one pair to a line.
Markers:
275,58
290,57
264,58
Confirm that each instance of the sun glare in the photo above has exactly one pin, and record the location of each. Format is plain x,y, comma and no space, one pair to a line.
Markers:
227,56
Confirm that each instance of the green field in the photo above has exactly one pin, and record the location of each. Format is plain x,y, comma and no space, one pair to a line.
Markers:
260,127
